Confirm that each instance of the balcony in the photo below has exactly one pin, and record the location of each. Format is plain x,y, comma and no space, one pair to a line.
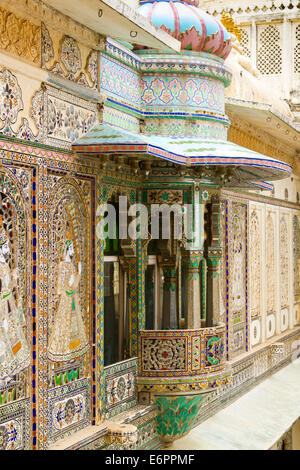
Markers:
178,369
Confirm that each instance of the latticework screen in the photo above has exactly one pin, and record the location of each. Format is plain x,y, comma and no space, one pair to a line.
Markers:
269,49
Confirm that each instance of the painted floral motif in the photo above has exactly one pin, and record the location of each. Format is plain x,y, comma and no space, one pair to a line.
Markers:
190,88
175,87
70,55
166,96
183,91
157,86
148,96
11,97
25,132
118,80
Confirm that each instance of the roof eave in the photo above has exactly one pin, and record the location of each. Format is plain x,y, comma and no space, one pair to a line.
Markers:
116,19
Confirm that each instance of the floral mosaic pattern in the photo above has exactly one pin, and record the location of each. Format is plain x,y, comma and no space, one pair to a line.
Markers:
92,67
119,81
47,45
68,412
168,354
183,92
61,117
11,98
70,55
181,353
68,62
15,426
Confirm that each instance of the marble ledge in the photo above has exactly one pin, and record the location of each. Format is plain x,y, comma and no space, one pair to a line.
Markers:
255,421
83,437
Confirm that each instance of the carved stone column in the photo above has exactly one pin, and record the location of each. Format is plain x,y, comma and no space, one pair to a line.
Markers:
192,293
170,293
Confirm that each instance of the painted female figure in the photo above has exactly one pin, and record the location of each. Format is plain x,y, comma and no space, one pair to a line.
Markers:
68,339
14,350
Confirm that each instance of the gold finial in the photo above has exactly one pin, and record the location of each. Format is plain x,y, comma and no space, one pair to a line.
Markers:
231,25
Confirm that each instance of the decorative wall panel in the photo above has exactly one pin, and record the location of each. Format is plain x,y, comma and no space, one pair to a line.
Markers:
64,57
255,263
42,210
69,227
296,255
15,426
237,254
119,81
182,92
222,268
284,262
60,117
16,185
68,409
120,387
20,36
271,274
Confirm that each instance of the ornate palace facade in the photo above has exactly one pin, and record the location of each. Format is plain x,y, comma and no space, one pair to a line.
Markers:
129,343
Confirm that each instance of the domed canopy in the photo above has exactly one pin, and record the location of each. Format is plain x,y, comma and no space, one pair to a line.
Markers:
196,30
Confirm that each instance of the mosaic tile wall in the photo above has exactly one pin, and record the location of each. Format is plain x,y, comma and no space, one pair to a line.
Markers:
182,93
43,210
119,81
120,387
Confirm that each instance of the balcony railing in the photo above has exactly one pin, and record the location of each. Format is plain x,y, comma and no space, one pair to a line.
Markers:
181,353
